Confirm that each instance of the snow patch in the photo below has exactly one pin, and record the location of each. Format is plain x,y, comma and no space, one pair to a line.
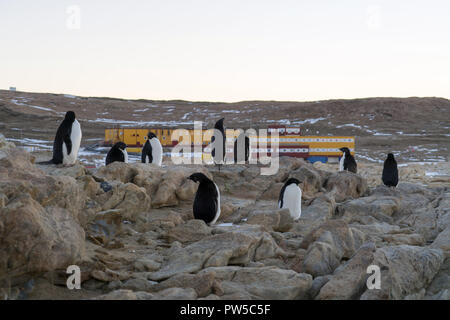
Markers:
16,102
70,96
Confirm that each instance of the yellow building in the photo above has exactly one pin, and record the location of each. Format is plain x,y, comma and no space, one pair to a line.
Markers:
320,147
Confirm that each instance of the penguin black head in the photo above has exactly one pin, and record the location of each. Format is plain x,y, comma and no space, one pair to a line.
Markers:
120,145
292,181
345,150
70,115
390,156
219,124
151,135
198,177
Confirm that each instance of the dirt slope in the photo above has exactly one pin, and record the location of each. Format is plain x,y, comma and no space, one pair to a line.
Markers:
415,129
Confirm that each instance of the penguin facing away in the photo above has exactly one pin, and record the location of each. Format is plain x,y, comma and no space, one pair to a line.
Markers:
348,161
218,156
207,199
242,157
291,198
152,151
390,171
67,141
117,153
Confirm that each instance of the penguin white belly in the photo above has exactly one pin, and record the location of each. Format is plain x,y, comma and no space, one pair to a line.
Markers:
218,206
75,137
156,151
292,199
341,163
125,155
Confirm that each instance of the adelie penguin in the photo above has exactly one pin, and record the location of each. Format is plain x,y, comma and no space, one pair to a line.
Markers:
207,199
219,154
242,155
347,161
117,153
67,141
291,198
152,151
390,171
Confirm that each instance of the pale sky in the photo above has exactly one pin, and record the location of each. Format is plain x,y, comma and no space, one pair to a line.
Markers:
228,50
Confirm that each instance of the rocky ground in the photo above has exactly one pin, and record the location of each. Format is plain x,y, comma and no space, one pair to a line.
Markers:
130,229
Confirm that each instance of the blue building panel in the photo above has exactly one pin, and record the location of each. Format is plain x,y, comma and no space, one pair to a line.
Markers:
323,159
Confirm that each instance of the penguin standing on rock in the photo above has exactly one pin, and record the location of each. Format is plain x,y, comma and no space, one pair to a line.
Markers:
347,161
218,152
67,141
291,198
390,171
117,153
152,151
207,199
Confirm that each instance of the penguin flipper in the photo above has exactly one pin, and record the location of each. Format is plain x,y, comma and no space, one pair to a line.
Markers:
213,152
247,148
352,167
147,152
121,156
396,177
68,143
350,164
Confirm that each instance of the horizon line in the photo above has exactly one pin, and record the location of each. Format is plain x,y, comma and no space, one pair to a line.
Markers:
227,102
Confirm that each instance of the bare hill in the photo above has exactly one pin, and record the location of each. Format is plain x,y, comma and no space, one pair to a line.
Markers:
418,129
